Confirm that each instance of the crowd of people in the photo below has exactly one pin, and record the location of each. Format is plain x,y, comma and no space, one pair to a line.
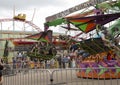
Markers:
63,60
60,61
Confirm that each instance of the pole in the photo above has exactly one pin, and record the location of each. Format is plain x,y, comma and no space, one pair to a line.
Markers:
13,27
13,20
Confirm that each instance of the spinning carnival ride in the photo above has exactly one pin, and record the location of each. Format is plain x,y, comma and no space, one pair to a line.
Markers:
92,49
94,55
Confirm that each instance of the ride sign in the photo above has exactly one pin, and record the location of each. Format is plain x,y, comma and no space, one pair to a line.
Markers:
74,9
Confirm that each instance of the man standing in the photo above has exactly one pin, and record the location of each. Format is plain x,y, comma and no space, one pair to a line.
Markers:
59,59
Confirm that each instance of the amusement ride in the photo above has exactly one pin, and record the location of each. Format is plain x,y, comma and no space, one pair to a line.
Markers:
98,49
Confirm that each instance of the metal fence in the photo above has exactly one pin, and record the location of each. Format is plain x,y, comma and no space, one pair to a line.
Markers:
27,77
59,77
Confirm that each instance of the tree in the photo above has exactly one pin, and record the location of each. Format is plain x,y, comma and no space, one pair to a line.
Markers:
6,52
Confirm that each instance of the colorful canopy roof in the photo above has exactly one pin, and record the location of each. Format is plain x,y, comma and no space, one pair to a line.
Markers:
89,23
34,36
42,36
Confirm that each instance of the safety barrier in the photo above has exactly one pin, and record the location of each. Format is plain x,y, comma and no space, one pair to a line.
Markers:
27,77
68,76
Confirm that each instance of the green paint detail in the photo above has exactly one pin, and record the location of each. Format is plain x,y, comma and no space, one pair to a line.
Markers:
55,22
81,27
102,70
117,69
43,40
88,70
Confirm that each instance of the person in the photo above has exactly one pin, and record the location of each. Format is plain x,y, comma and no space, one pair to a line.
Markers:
116,35
1,68
109,57
48,64
73,63
114,57
52,63
19,55
98,11
74,47
108,39
14,62
59,59
35,62
65,61
78,60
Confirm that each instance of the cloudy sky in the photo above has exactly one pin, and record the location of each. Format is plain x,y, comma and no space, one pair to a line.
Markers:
43,8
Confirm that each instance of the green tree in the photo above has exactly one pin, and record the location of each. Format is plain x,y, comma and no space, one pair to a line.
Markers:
6,52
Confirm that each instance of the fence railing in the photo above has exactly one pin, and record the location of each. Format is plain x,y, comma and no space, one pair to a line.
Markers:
68,76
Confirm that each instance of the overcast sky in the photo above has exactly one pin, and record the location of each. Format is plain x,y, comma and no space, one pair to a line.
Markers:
44,8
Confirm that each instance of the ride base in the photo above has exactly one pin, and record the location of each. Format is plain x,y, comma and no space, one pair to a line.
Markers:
102,70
